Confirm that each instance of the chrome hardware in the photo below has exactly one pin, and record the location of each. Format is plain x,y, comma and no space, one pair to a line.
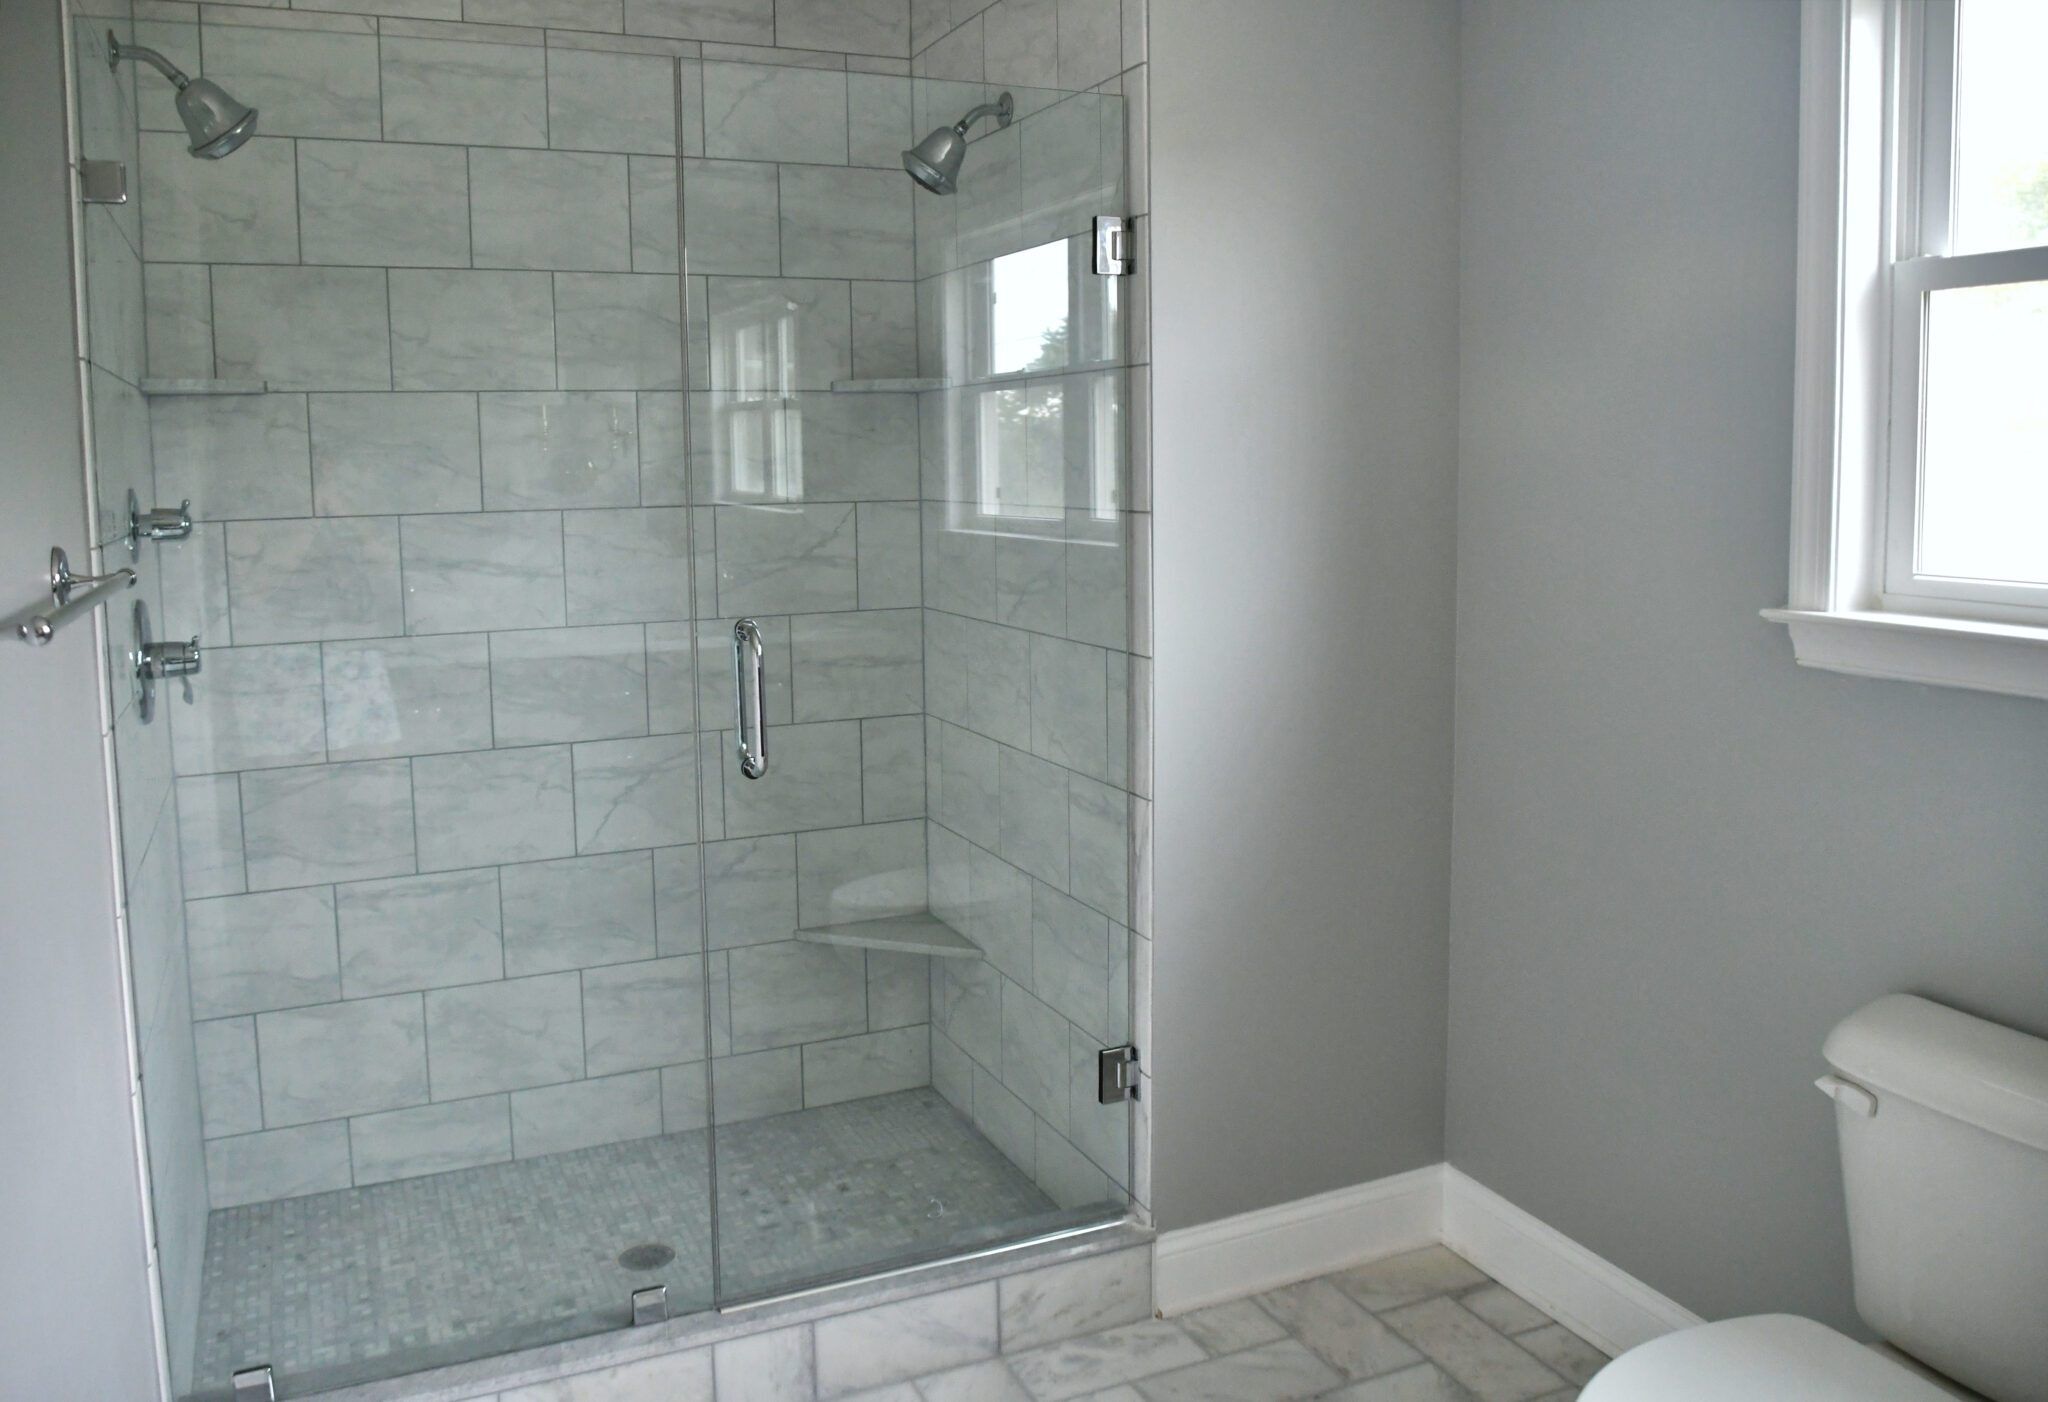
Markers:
253,1384
1112,245
158,523
40,628
1116,1074
746,678
155,661
102,182
650,1306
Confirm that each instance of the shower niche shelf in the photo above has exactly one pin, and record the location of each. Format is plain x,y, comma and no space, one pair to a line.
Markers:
922,933
906,385
162,388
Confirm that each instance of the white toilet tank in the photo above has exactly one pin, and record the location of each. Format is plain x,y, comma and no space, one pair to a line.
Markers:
1944,1127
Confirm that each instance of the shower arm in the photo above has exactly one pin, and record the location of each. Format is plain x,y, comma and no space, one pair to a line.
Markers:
1001,111
116,51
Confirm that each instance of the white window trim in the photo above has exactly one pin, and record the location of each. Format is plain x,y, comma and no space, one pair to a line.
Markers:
1835,609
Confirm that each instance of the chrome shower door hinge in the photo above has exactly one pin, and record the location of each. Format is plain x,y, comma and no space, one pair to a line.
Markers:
253,1384
1112,245
1116,1071
650,1306
102,182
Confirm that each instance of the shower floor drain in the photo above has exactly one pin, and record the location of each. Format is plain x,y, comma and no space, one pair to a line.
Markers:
647,1257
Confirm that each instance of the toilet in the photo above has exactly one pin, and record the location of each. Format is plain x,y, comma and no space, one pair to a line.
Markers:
1943,1122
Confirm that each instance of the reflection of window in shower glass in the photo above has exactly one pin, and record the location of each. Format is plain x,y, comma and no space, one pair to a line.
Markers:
1028,314
758,439
1020,432
1105,442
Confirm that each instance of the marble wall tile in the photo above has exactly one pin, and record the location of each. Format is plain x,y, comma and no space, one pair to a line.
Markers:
878,118
407,696
959,564
342,1059
503,1036
651,185
327,822
561,449
230,1099
1074,1298
636,793
369,203
678,903
664,474
868,663
670,667
243,211
637,1016
860,873
787,993
978,675
549,209
846,221
1071,960
210,836
417,932
1097,583
751,890
578,912
571,684
892,778
178,316
765,1367
279,1163
955,55
302,328
853,26
1100,832
494,806
1020,43
999,918
300,581
891,1342
381,454
685,1097
741,309
889,562
1069,704
496,570
627,566
1034,817
595,15
555,1119
454,92
968,791
261,706
472,329
884,330
1090,46
428,1139
730,223
304,82
611,102
272,950
1031,581
719,21
786,560
235,456
754,112
967,1007
899,990
858,447
813,781
876,1063
754,1085
618,331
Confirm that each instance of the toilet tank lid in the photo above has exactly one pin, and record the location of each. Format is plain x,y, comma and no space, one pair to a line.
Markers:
1962,1066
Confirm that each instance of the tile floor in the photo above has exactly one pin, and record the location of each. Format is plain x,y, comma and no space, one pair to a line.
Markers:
1424,1327
364,1283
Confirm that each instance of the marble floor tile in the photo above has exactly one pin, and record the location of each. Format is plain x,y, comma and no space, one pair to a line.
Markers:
1490,1365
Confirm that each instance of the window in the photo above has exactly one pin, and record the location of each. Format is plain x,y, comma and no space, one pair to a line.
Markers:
1920,515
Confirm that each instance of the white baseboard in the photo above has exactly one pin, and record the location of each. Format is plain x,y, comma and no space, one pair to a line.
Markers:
1217,1261
1588,1295
1274,1246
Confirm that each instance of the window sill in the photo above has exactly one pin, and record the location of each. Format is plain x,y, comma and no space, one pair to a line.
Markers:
2011,659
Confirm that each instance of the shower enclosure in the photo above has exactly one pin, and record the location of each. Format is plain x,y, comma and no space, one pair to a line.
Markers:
654,809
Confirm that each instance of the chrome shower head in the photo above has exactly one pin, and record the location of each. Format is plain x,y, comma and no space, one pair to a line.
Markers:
215,123
935,161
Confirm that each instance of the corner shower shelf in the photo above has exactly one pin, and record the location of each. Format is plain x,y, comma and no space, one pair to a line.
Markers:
162,388
896,386
905,934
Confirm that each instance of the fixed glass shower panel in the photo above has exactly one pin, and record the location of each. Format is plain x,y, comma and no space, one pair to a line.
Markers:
909,479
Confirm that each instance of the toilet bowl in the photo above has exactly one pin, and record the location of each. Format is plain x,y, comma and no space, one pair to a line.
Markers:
1943,1123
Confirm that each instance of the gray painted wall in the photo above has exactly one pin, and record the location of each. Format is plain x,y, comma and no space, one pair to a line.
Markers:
1303,178
74,1297
1679,858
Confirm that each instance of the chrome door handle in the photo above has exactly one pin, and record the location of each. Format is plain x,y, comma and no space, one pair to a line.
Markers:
746,689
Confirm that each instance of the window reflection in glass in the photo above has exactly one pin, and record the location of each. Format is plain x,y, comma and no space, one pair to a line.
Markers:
756,434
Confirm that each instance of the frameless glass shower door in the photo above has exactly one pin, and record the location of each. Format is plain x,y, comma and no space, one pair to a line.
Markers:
909,465
557,411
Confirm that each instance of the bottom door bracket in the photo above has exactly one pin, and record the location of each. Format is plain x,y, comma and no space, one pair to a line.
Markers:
254,1384
650,1306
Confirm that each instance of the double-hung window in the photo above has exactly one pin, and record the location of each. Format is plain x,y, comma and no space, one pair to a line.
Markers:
1920,511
